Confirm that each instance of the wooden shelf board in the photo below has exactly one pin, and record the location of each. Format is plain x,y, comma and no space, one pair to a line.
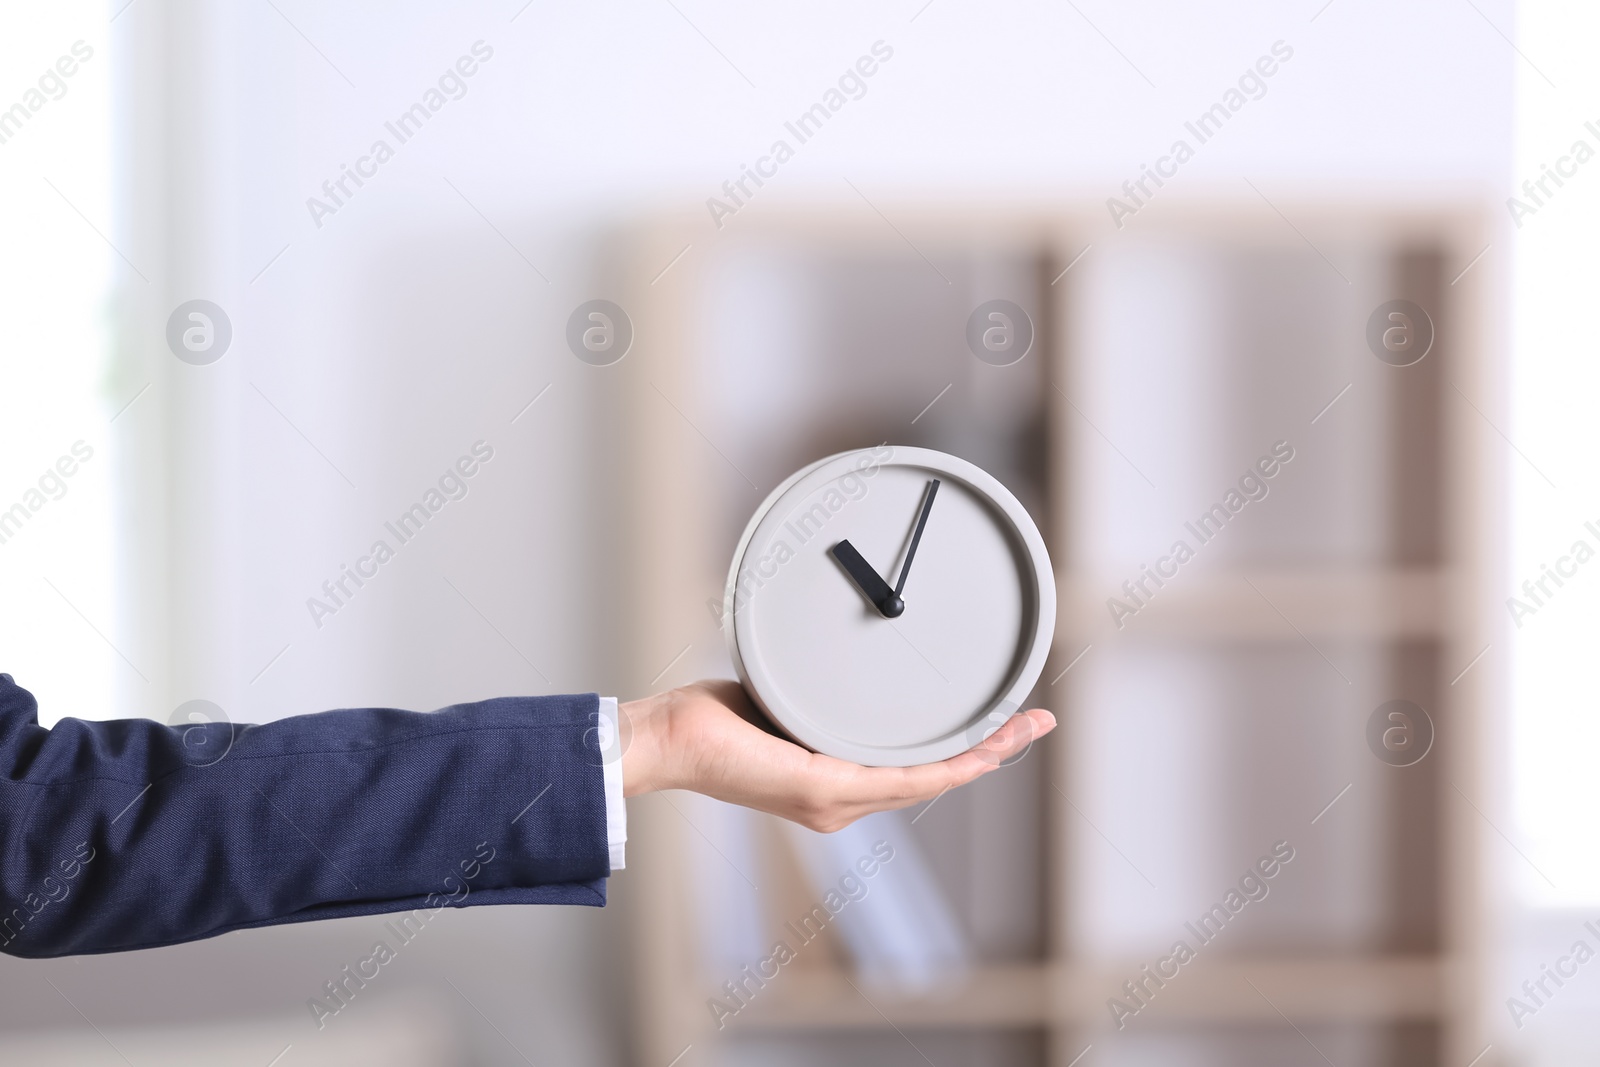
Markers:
1374,989
1367,605
1005,995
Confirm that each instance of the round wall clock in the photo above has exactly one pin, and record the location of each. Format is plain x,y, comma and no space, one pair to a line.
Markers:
890,606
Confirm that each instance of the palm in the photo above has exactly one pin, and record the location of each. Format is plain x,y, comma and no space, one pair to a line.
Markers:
709,738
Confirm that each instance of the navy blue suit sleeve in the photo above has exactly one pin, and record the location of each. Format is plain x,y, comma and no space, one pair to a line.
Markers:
131,834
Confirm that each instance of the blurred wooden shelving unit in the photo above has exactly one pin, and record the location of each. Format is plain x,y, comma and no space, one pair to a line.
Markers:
1413,603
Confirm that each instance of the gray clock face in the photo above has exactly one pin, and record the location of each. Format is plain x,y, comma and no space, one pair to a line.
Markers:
843,664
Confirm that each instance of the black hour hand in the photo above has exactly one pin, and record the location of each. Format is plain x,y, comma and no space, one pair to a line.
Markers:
873,587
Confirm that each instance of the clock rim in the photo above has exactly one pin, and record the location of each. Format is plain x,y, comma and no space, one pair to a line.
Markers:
1023,680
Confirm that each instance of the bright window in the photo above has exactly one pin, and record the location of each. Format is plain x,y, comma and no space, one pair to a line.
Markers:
56,273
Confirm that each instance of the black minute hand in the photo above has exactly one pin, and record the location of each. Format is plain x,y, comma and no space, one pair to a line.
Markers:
867,580
916,537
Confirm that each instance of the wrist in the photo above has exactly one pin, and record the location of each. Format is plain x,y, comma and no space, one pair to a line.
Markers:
640,725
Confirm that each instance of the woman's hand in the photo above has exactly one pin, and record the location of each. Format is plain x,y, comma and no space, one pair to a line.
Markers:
708,737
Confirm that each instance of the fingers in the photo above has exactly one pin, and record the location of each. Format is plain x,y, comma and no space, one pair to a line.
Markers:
884,788
1011,741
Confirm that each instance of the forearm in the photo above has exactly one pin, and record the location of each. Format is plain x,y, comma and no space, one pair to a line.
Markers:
341,813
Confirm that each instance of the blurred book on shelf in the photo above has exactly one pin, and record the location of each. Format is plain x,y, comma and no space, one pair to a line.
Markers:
896,921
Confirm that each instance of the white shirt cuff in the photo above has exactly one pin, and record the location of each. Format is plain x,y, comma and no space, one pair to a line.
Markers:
611,766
